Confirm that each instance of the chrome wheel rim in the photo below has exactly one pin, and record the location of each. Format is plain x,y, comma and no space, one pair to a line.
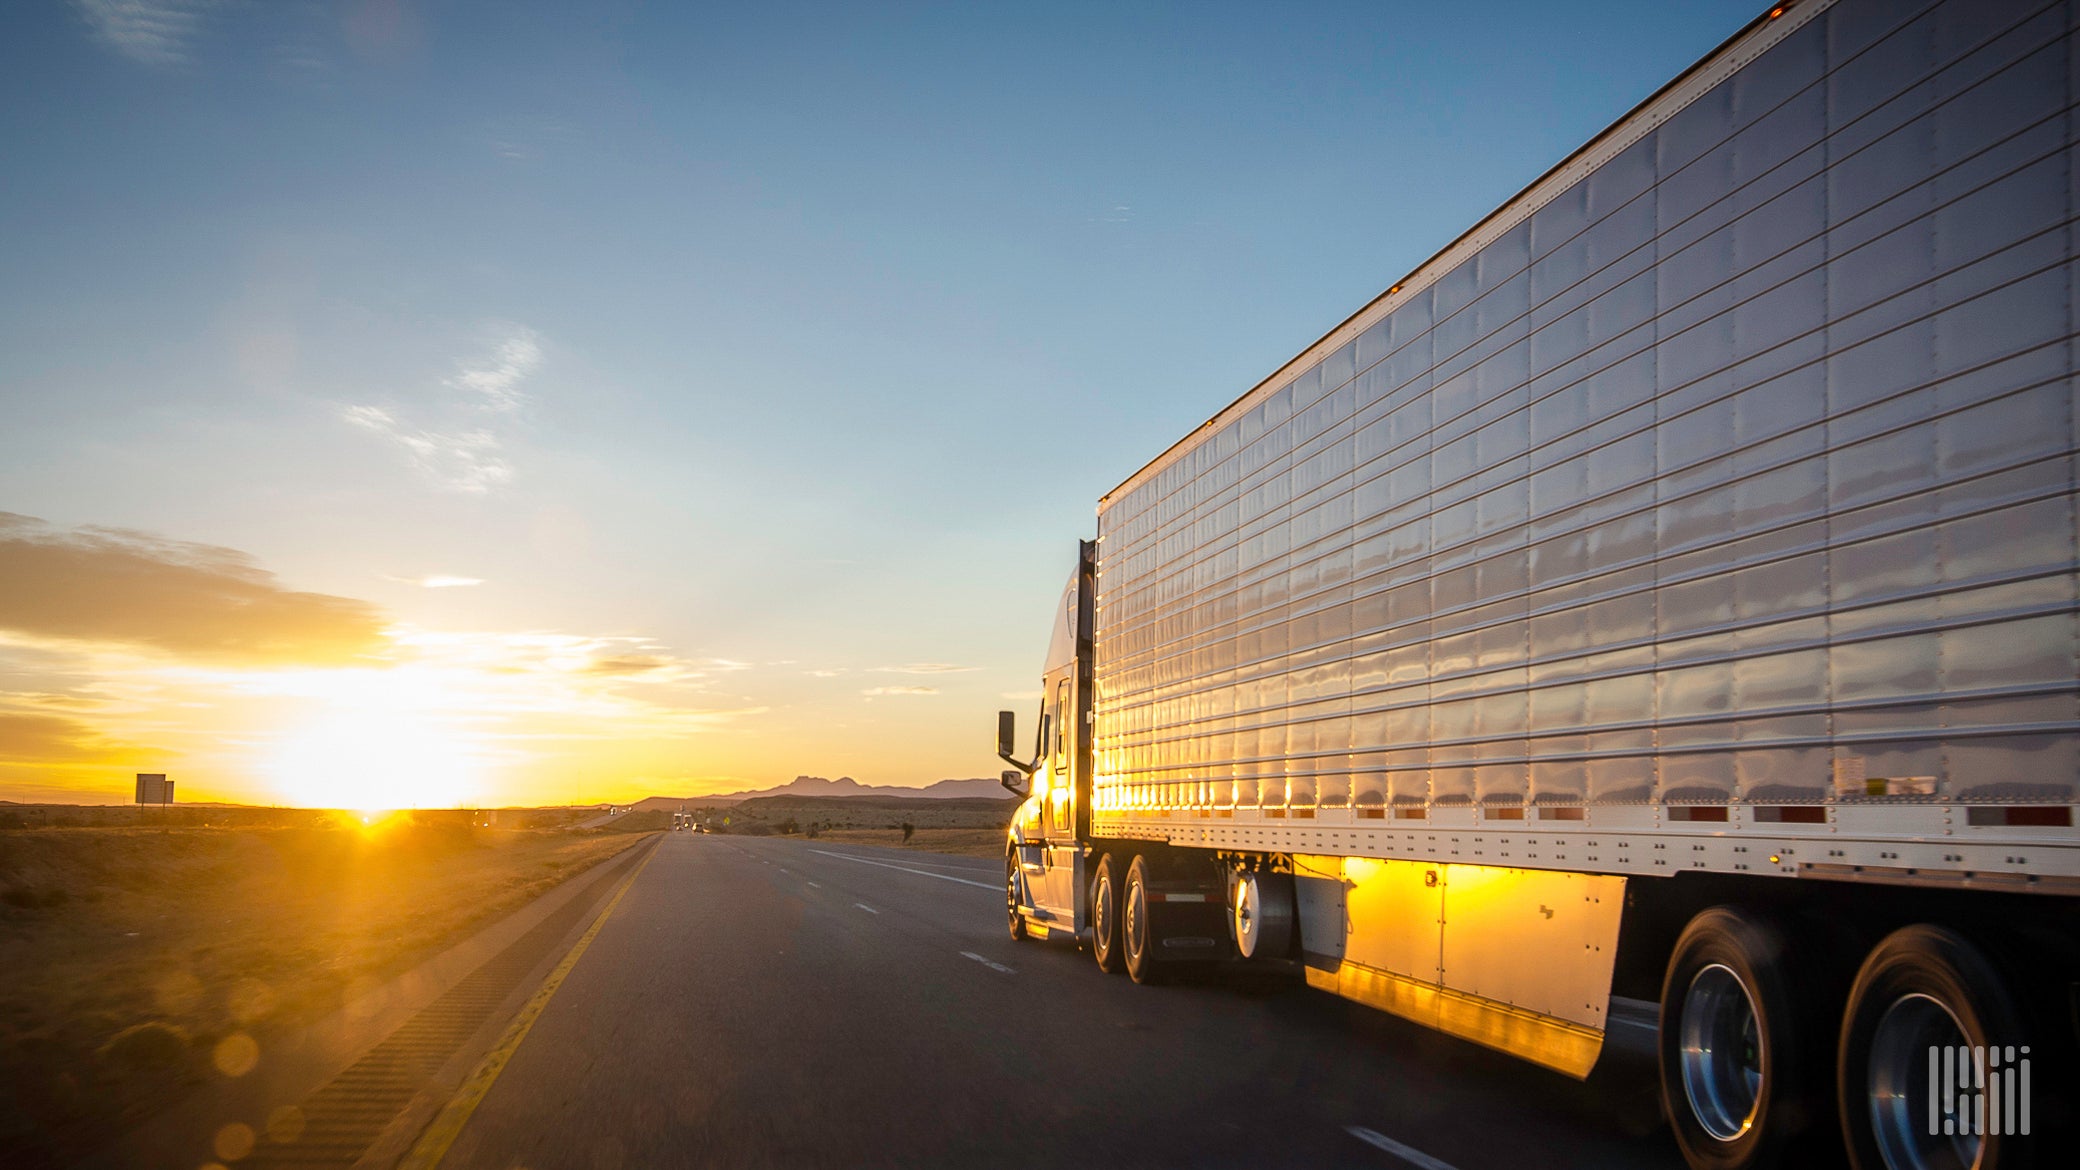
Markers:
1101,915
1011,888
1904,1105
1136,921
1721,1052
1246,915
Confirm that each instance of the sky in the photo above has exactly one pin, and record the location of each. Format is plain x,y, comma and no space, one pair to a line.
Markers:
508,403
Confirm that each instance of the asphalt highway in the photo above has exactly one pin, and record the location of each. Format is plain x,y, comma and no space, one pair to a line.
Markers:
760,1002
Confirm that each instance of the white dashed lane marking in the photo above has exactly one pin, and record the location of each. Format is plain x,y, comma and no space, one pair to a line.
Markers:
1406,1153
867,908
994,966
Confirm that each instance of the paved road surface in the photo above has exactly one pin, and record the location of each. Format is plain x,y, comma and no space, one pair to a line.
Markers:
760,1002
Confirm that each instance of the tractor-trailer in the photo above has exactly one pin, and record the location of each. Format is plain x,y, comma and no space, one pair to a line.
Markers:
1667,591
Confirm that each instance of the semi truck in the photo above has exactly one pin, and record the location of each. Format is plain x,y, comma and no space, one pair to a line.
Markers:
1667,591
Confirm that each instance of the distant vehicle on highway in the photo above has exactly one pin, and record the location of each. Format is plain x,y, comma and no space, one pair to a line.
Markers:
1668,590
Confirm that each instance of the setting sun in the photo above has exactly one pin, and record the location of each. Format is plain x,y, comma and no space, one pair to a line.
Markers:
373,760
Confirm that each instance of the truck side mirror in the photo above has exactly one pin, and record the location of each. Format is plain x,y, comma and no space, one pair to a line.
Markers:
1014,781
1007,732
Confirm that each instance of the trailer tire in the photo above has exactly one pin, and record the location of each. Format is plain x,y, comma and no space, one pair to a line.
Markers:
1138,935
1013,882
1104,902
1733,1048
1922,987
1263,915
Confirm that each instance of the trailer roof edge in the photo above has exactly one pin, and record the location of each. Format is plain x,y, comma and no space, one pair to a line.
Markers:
1756,37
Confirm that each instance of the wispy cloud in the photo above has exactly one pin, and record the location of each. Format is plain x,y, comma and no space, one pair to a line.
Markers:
437,581
548,652
629,664
155,32
924,668
463,461
526,140
465,451
496,377
878,692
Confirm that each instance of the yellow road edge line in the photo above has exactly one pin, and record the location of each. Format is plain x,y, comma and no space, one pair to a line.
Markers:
432,1146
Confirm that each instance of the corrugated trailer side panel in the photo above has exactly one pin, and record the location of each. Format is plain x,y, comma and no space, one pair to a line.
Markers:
1734,466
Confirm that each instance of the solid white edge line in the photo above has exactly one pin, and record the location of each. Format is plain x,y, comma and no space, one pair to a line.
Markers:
867,908
906,869
1408,1154
992,965
817,886
968,867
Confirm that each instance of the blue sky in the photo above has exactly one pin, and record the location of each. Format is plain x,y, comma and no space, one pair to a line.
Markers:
790,345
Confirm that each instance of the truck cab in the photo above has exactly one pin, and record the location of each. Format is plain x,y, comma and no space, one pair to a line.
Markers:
1045,851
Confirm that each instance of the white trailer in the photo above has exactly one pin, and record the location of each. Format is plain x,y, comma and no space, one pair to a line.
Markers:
1668,590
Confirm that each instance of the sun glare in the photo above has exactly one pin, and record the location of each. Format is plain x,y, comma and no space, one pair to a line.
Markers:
372,762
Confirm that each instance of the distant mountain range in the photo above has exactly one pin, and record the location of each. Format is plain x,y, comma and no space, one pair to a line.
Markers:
818,786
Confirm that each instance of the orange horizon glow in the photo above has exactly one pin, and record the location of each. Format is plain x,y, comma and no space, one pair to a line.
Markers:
435,720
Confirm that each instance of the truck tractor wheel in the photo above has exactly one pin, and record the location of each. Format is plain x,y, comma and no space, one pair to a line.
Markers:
1105,945
1734,1056
1924,994
1014,888
1138,937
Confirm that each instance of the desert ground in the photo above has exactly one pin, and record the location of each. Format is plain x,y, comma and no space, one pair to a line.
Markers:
966,827
139,949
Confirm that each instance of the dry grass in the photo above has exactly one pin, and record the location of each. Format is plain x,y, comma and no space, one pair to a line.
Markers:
130,952
957,842
967,827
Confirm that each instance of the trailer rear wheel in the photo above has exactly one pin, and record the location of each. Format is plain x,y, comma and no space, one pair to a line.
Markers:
1105,944
1262,915
1731,1045
1926,992
1138,937
1013,887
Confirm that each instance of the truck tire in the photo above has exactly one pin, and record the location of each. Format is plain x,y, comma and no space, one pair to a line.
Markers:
1105,946
1014,885
1262,916
1735,1056
1139,938
1924,987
